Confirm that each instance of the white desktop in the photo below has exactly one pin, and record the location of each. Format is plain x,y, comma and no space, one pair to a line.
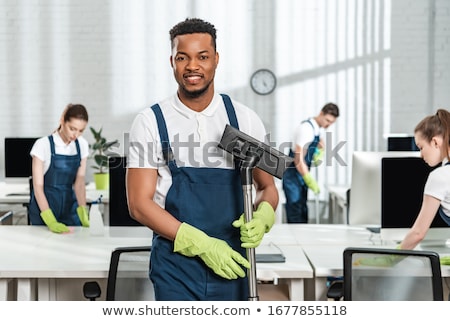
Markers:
365,193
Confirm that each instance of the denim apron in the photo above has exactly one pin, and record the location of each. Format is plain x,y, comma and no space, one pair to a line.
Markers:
58,181
444,217
209,199
294,187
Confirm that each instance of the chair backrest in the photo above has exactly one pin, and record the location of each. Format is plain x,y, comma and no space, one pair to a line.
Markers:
6,217
377,274
119,214
128,277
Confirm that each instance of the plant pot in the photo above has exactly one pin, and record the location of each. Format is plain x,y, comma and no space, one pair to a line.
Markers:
101,181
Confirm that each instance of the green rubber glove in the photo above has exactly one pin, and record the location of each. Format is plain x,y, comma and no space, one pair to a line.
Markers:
253,232
383,261
49,219
83,214
311,183
317,156
445,260
216,253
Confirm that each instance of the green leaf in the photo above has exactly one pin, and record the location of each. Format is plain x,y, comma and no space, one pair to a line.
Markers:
100,150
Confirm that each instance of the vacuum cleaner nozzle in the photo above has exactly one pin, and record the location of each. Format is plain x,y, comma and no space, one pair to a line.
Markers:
242,146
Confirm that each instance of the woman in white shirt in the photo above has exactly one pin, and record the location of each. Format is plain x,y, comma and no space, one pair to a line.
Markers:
432,136
58,196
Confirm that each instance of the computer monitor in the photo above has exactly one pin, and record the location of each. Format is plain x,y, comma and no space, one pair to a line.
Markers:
119,214
17,158
402,143
365,189
402,185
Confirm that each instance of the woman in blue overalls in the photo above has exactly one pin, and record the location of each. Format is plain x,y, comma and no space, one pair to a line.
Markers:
181,185
432,137
58,195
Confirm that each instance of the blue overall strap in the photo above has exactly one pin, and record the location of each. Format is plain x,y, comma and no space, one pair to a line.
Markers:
77,144
309,122
312,146
166,149
230,111
231,118
52,146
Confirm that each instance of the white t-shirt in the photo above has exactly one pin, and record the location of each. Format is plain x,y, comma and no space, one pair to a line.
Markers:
305,133
438,186
193,137
41,148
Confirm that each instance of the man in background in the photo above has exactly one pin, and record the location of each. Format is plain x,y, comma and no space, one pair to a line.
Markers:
307,149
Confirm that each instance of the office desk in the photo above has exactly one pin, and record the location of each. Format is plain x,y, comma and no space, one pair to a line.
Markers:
35,255
282,234
337,203
324,244
294,272
330,234
37,259
19,194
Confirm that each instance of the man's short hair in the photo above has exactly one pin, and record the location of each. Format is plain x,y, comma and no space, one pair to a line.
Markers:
331,109
193,25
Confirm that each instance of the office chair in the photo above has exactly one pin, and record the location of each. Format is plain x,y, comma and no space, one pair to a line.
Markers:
128,276
408,276
6,217
119,214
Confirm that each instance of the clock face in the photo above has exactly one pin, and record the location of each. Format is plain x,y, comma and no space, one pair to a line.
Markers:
263,81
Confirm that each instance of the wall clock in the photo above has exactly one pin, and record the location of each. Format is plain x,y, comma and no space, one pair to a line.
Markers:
263,81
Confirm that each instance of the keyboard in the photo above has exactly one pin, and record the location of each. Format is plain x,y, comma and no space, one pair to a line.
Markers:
18,194
270,258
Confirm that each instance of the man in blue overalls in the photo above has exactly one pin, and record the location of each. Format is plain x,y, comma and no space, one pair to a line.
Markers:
307,146
186,189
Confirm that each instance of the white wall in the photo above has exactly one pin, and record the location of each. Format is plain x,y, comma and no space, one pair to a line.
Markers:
420,61
386,63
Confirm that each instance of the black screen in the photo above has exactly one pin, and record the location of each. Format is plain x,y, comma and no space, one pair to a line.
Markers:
17,156
402,184
402,144
118,205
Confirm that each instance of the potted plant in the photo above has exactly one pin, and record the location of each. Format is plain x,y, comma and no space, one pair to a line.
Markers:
100,152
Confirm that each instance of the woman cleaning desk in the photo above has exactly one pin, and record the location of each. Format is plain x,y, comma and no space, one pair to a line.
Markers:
58,196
